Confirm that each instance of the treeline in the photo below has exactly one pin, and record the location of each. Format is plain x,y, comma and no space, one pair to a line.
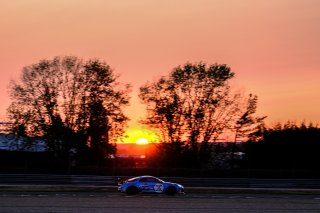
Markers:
289,148
77,108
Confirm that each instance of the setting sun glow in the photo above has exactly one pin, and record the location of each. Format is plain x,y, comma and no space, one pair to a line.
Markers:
142,141
140,136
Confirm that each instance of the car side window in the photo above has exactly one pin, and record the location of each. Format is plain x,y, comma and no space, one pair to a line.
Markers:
144,180
153,180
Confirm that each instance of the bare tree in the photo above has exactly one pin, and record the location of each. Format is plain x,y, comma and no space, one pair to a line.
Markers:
66,101
192,107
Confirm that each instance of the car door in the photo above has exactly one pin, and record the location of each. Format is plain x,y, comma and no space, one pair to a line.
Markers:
145,185
155,185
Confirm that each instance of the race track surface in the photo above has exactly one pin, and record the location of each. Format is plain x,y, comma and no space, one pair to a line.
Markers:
114,202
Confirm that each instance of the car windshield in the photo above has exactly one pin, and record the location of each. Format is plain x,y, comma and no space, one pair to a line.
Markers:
132,179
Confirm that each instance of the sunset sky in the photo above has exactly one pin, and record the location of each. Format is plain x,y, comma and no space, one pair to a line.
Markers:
272,46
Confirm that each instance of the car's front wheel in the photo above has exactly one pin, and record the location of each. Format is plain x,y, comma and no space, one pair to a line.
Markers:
132,190
171,190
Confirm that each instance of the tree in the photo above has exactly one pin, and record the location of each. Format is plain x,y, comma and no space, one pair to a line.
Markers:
246,124
192,107
67,101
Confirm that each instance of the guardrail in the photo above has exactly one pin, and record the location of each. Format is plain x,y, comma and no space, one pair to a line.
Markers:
49,179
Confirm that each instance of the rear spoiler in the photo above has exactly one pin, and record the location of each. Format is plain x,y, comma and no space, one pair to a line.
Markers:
120,181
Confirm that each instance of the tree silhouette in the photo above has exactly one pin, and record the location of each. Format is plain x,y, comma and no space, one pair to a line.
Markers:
192,107
246,124
67,101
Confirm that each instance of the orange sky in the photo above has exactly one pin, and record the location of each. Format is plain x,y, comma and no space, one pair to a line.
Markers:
273,46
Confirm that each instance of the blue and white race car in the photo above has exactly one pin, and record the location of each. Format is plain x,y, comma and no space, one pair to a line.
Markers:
149,184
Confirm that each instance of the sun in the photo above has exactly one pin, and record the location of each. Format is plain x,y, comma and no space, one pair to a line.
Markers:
142,141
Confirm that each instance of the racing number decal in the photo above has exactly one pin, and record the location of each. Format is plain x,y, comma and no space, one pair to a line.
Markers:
158,187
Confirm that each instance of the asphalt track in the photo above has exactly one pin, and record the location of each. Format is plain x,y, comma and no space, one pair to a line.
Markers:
79,202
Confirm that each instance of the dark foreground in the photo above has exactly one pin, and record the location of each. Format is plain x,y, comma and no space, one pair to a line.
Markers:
114,202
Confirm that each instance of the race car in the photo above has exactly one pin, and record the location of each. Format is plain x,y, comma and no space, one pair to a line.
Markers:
149,184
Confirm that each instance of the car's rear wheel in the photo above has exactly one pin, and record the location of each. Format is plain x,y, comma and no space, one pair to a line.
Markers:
132,190
171,190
